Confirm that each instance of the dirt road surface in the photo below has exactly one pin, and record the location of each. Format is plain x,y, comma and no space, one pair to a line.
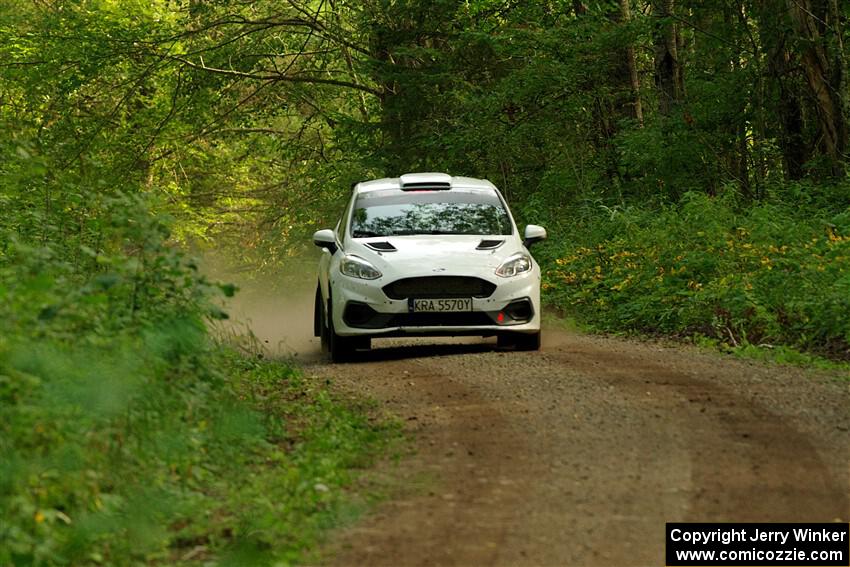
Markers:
578,454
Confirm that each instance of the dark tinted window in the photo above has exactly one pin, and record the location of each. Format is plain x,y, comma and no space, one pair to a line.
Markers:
388,213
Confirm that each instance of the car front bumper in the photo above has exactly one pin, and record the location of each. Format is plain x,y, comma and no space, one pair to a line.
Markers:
361,308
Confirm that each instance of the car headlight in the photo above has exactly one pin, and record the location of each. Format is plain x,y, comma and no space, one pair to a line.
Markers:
515,265
356,267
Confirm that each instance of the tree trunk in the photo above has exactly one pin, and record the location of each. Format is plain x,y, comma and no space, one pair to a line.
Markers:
667,74
579,8
792,142
823,76
774,34
634,80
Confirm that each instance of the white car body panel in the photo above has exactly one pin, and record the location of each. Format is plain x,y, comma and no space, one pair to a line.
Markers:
422,256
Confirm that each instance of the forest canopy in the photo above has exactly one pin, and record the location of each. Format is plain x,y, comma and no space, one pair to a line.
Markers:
252,118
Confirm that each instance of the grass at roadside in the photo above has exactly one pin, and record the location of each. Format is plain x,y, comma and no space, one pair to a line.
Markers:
294,489
782,355
776,354
169,451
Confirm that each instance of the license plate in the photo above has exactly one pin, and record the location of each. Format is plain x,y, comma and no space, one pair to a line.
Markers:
442,305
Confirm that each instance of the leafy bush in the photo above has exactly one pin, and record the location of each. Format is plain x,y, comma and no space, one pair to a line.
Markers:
138,451
128,436
770,273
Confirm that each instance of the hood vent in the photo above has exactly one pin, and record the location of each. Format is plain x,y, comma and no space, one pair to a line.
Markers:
425,182
381,246
489,244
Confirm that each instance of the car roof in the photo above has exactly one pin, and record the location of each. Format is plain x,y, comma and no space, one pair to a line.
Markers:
455,182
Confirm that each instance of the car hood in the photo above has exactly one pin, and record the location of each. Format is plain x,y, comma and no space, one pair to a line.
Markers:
429,254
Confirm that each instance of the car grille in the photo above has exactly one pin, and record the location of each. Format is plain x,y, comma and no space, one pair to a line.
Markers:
439,287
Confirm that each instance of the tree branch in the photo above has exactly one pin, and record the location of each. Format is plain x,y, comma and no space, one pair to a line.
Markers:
267,76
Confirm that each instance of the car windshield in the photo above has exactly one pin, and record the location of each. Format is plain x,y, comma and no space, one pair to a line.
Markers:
393,213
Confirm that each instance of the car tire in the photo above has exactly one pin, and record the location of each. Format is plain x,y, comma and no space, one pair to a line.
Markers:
318,314
324,332
519,341
528,341
504,340
342,348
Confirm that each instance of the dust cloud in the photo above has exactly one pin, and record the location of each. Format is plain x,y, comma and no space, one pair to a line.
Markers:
270,314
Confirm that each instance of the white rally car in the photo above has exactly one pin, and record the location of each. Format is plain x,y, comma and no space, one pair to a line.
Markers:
426,254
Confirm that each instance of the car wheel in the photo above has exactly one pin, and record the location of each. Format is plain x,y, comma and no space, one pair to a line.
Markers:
318,313
324,332
528,341
341,348
519,341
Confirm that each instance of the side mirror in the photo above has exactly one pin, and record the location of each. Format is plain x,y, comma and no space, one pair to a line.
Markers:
533,233
325,239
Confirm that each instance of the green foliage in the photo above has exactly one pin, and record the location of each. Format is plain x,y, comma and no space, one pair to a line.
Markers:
128,437
131,128
773,273
155,448
776,354
289,496
249,121
132,280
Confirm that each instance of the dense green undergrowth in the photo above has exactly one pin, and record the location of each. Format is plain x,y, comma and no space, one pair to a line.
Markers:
775,273
129,436
157,450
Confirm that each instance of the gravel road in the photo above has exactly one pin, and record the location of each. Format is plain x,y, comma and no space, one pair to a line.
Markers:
578,454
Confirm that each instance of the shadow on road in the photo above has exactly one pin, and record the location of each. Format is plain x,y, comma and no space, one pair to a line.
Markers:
400,349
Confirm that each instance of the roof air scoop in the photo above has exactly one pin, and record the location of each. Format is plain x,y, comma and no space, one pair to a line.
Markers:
489,244
382,246
425,182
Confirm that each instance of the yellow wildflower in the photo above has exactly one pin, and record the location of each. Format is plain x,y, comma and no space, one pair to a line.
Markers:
622,284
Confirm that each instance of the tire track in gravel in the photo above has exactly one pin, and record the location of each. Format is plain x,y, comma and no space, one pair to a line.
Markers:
459,500
741,451
577,455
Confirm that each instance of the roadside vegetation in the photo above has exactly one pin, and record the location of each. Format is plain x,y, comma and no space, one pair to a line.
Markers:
688,158
130,437
768,276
